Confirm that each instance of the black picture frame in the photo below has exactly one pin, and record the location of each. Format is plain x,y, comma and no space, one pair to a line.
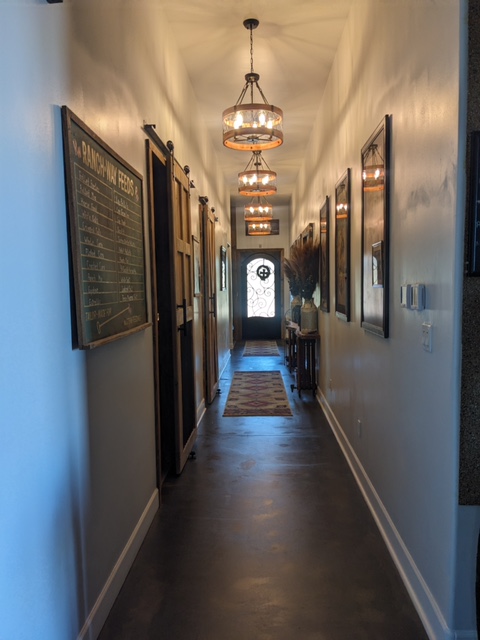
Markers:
473,229
306,235
324,261
375,157
342,246
223,268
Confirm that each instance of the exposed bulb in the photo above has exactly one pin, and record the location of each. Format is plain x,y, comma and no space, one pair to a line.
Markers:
238,121
262,119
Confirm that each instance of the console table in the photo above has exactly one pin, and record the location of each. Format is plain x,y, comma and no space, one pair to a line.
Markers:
306,362
291,346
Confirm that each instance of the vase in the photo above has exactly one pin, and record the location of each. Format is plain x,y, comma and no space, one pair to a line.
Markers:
309,316
296,306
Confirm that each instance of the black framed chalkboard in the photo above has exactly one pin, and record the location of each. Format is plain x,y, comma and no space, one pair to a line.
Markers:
107,247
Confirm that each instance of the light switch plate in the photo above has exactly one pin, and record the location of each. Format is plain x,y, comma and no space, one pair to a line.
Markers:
427,330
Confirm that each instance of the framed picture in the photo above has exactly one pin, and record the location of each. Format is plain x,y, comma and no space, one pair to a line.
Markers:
106,238
342,247
306,235
473,265
223,268
197,272
375,216
324,278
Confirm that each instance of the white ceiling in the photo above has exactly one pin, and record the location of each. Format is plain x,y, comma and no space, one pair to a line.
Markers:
294,47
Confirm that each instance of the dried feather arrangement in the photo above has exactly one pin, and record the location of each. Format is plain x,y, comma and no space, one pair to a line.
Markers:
290,270
302,268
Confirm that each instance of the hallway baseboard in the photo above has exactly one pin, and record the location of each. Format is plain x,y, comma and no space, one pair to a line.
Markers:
421,596
100,610
223,365
201,410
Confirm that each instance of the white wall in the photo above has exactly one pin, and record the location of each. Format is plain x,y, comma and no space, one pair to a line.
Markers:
402,58
77,454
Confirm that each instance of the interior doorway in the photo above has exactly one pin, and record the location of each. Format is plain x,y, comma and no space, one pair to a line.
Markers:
172,309
261,294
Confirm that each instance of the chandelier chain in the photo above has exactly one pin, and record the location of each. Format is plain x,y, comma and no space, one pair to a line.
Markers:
251,49
251,60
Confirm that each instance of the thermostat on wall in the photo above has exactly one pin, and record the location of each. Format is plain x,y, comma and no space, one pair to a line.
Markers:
406,296
418,297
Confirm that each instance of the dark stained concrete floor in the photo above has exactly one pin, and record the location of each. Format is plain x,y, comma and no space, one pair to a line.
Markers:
265,536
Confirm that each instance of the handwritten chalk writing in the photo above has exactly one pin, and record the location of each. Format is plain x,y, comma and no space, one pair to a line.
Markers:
133,320
98,314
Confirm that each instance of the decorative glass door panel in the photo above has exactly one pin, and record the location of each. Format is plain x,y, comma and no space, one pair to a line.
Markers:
261,297
260,288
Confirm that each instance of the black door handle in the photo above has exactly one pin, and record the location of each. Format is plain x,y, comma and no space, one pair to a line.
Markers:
184,307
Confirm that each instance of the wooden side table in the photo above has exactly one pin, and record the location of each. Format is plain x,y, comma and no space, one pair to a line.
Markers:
306,362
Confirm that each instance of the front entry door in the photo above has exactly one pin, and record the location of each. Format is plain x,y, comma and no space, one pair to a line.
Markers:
261,296
172,280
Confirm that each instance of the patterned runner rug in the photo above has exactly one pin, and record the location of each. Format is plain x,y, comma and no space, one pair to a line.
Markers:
261,348
257,393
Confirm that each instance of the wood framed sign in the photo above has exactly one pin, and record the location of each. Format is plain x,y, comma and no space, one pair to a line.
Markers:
107,246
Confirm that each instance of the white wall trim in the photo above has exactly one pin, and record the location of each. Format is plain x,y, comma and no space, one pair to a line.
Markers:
100,610
421,596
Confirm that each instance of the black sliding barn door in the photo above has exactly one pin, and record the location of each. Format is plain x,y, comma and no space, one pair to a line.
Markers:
172,283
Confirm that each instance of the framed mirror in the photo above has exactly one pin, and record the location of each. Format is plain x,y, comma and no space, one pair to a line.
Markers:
342,247
375,216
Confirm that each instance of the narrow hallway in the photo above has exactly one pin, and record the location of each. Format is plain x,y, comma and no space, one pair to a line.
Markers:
264,536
